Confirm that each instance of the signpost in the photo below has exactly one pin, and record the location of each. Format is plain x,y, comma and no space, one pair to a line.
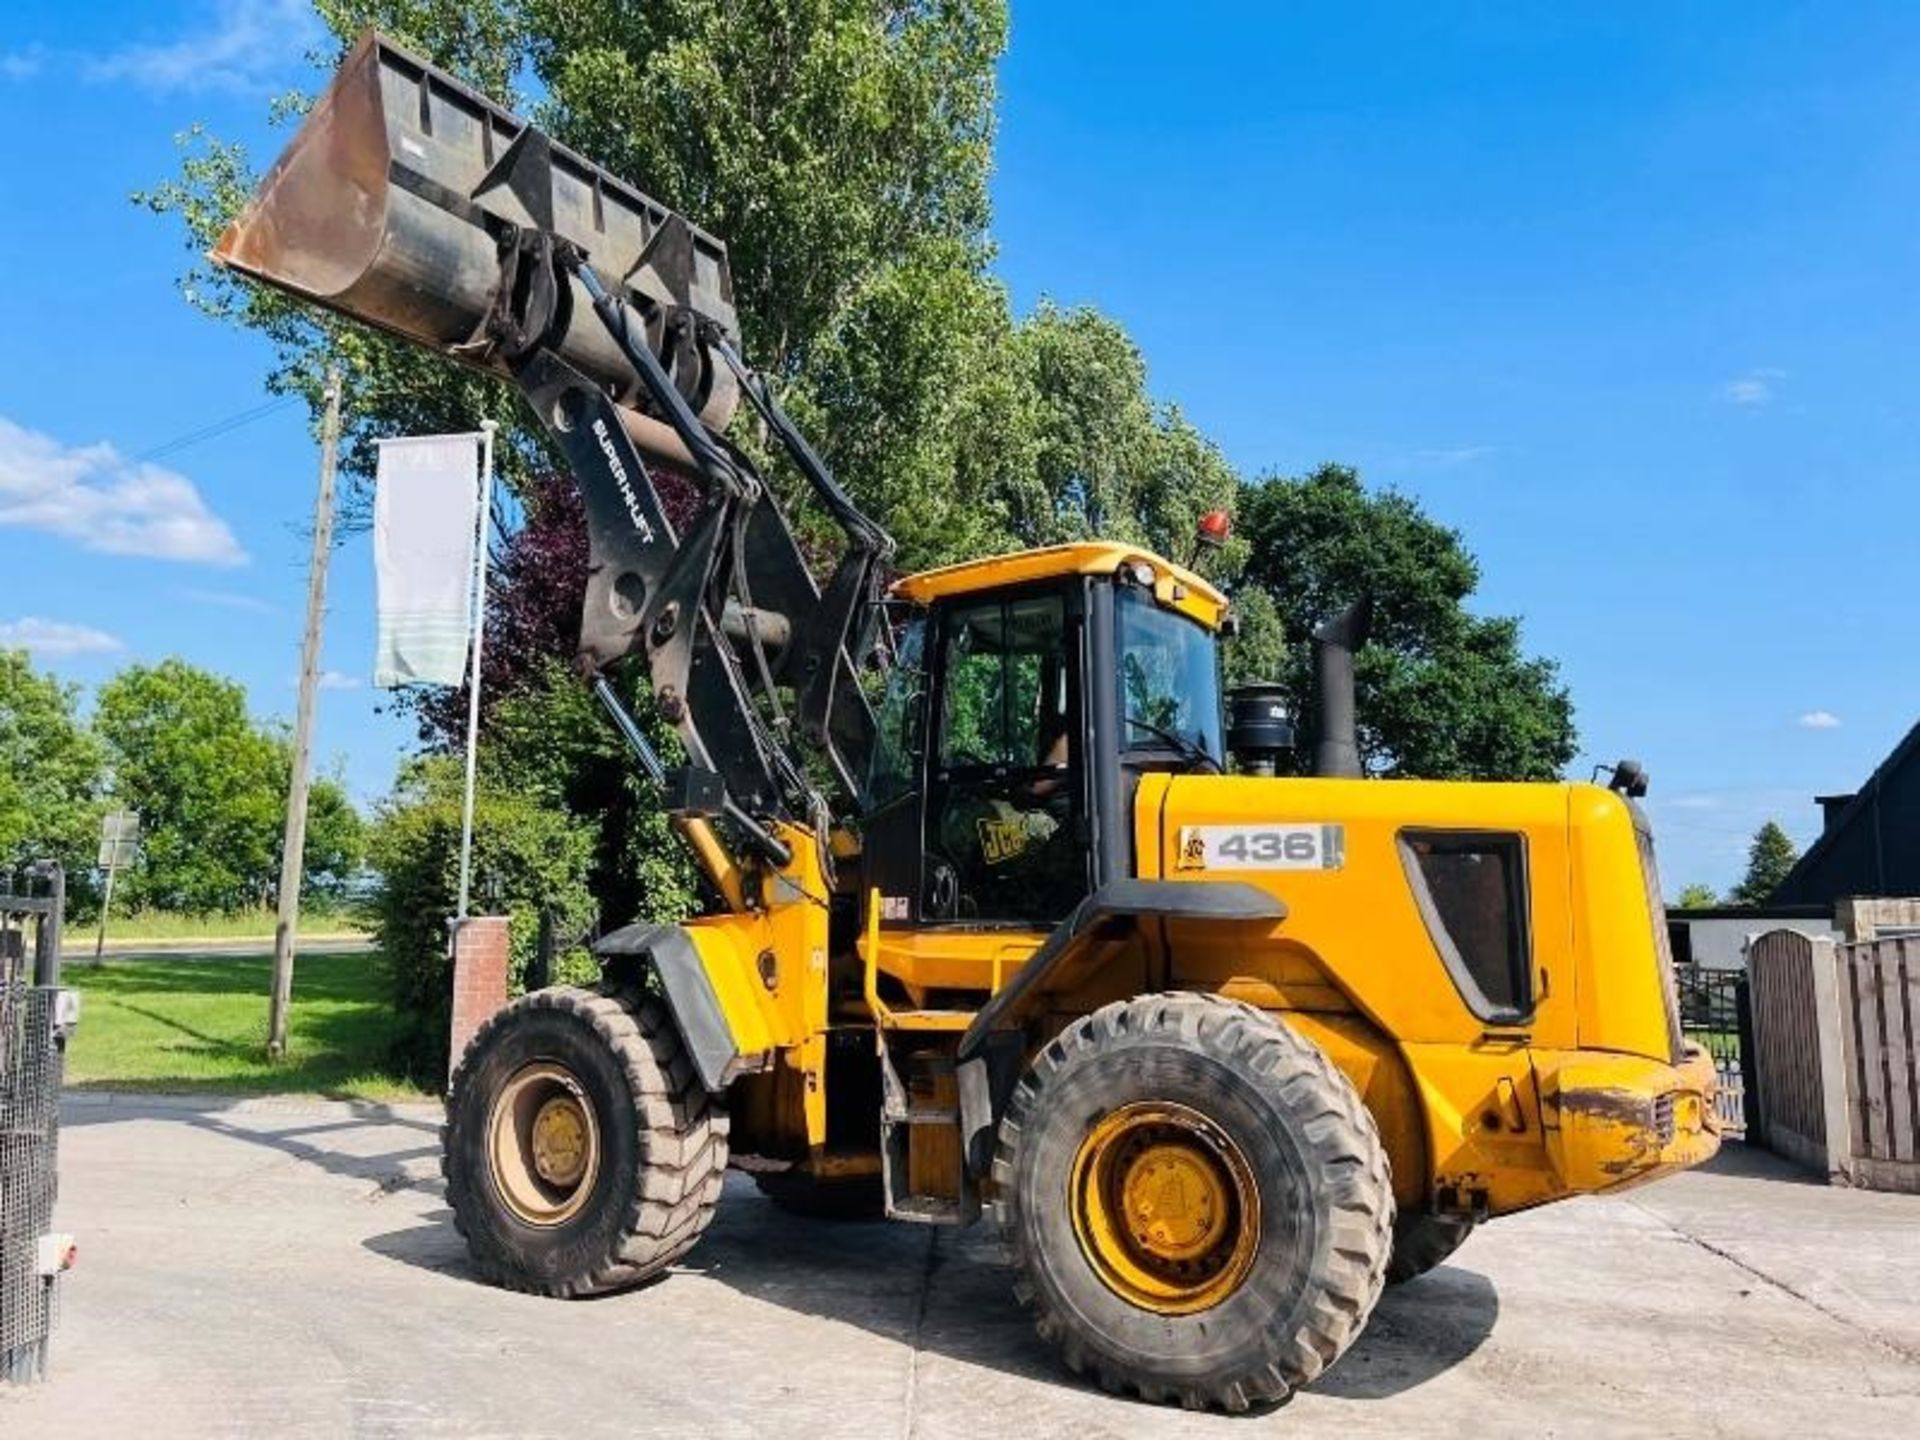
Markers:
119,843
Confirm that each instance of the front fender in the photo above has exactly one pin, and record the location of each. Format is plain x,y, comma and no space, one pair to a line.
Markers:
704,980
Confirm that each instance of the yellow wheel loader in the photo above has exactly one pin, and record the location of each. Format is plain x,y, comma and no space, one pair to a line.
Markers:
1026,928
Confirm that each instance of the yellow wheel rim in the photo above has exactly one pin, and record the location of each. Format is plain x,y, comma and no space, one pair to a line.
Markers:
543,1144
1165,1208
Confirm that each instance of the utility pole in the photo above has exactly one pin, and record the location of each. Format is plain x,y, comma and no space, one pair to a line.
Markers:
294,847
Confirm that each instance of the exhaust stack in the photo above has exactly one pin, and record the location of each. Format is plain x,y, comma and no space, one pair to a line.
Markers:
1336,744
399,198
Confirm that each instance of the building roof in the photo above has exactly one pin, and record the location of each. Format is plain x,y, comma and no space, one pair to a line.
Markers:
1861,813
1174,585
1769,911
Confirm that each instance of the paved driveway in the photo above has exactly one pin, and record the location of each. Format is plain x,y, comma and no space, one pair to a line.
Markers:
269,1268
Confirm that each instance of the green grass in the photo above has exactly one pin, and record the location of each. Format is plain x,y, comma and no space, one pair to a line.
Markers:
198,1023
245,925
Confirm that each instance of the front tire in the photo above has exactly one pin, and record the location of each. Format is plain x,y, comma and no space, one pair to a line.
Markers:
581,1152
1196,1199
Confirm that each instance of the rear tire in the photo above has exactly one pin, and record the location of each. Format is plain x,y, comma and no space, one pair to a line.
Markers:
581,1152
1155,1294
1423,1240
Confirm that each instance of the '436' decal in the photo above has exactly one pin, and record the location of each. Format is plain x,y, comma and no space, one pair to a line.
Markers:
1261,847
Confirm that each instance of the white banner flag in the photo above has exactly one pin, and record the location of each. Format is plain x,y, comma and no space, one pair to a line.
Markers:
425,525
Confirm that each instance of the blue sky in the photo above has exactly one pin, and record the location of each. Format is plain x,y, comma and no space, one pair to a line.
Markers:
1627,293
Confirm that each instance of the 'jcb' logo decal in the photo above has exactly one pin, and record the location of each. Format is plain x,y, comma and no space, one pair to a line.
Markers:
1001,840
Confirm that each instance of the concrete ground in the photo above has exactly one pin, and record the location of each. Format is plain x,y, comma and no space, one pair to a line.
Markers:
274,1268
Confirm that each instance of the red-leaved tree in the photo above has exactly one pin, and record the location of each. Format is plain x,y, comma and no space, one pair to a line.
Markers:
537,576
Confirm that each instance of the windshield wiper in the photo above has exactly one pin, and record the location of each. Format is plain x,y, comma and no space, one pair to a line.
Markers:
1184,745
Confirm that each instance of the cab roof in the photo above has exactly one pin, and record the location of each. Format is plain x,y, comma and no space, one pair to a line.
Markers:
1174,586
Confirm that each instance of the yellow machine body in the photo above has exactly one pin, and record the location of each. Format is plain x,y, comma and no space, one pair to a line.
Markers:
1592,1089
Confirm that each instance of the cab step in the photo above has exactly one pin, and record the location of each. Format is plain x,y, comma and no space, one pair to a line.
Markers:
926,1180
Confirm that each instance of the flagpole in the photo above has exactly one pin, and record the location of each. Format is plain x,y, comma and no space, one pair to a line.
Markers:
487,429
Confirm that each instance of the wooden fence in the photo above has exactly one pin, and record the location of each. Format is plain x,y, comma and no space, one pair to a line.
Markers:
1785,1065
1880,1002
1837,1055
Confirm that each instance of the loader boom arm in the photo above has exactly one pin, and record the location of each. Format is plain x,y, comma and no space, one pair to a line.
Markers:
411,202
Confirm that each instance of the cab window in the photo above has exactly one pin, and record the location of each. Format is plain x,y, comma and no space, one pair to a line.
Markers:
1006,684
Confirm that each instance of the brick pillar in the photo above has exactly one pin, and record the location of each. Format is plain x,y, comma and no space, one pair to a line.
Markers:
479,978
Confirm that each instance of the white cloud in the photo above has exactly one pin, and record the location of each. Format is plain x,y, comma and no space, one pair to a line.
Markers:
94,496
1756,387
1818,720
338,680
239,46
55,637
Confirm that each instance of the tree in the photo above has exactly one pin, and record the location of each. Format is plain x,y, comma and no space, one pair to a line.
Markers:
528,856
915,399
1769,857
1088,453
336,838
52,772
1443,693
1696,897
829,141
210,787
549,742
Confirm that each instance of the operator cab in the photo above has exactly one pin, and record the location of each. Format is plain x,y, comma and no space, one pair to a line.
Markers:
1030,693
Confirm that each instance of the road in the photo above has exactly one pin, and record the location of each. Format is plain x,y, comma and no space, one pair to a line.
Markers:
269,1267
75,951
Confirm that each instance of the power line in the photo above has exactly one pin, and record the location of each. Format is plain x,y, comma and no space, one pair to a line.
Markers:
216,429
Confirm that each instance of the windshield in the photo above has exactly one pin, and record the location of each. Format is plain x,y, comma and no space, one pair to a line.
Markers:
1169,680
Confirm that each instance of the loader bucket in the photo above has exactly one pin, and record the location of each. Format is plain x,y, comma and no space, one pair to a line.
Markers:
388,205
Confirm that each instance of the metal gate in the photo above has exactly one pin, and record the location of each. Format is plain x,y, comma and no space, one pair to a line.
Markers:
35,1017
1715,1012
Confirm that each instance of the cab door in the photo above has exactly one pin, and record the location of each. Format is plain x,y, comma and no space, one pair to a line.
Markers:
1005,840
896,780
